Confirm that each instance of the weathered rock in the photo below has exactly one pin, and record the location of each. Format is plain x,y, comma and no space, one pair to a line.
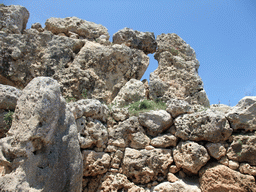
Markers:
128,133
155,122
137,40
119,114
172,178
117,159
143,166
224,161
190,156
216,150
243,149
89,108
247,169
220,108
117,182
8,97
177,186
84,29
177,73
13,19
131,92
206,125
242,116
233,165
37,26
177,107
173,169
5,123
92,134
164,141
220,178
78,65
95,163
42,145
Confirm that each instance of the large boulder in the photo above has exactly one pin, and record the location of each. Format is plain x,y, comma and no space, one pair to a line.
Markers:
243,149
41,150
13,19
242,116
190,156
69,25
128,133
155,122
89,108
131,92
220,178
177,73
137,40
84,69
143,166
205,125
8,97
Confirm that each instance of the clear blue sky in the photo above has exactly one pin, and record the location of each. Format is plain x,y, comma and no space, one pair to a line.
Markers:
222,32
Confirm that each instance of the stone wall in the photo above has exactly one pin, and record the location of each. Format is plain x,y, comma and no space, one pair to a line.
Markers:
82,144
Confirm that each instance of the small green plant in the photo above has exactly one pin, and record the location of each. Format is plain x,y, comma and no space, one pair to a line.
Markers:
84,93
145,105
239,153
240,142
8,119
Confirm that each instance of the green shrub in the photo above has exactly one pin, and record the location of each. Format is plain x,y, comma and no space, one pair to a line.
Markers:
70,99
174,51
145,105
8,119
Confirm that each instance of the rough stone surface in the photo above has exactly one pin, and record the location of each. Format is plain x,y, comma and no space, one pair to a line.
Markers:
243,149
155,122
177,107
84,29
190,156
135,39
220,178
131,92
164,141
206,125
128,133
233,165
247,169
8,97
4,126
143,166
221,108
95,163
13,19
216,150
178,186
242,116
117,182
172,178
42,145
89,108
92,133
119,114
78,65
177,73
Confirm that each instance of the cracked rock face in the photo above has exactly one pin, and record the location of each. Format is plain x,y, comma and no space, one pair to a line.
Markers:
243,149
143,166
204,125
190,156
242,116
177,73
144,41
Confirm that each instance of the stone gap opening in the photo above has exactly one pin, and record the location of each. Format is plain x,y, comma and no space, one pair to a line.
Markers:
153,64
